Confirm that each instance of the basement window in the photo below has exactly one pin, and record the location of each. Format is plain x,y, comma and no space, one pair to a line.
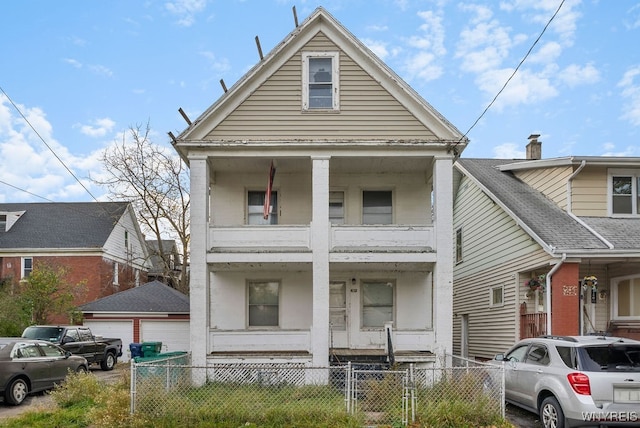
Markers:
320,81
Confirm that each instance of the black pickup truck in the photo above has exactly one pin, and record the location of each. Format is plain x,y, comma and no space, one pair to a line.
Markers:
79,341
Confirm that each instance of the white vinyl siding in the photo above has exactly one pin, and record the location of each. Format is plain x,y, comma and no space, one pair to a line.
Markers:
489,264
551,182
589,192
367,110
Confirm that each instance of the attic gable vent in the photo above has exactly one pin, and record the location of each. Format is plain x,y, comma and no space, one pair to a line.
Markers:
8,219
3,222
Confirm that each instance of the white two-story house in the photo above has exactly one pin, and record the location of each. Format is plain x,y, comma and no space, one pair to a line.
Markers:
321,204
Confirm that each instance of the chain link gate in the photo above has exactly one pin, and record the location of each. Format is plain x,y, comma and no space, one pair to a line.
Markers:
381,396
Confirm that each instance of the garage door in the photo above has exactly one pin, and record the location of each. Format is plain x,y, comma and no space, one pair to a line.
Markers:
174,335
109,328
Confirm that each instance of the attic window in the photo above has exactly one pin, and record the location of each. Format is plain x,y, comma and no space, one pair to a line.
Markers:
3,222
320,81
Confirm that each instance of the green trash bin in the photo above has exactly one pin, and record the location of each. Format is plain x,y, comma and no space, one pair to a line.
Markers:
151,349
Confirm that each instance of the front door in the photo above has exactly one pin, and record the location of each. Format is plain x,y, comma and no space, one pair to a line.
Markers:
338,319
358,313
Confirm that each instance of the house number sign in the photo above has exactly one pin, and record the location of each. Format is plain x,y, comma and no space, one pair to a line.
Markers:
569,290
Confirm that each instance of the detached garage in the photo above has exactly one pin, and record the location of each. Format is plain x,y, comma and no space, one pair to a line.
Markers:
153,312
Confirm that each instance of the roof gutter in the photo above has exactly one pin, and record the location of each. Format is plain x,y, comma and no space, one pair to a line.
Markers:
570,206
548,288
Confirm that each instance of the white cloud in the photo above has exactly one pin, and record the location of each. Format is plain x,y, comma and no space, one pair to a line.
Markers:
574,75
524,88
101,69
508,151
548,52
631,93
73,62
377,47
185,10
424,64
97,128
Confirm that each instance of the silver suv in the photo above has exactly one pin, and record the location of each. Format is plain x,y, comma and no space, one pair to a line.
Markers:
575,380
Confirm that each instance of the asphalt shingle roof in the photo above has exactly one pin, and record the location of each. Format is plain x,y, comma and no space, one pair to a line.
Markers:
61,225
623,233
552,224
150,297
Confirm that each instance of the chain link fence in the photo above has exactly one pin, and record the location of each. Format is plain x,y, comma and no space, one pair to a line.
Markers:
350,395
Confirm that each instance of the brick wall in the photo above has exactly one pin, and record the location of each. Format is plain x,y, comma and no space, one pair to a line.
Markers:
565,300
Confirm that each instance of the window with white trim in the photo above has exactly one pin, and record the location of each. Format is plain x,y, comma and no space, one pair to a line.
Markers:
624,192
496,296
458,245
626,297
377,303
255,208
377,207
263,298
116,272
27,266
320,81
336,207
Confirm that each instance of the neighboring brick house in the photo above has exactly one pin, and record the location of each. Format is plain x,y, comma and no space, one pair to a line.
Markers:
346,251
545,246
100,243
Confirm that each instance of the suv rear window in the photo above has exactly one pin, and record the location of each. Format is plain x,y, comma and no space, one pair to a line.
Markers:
611,358
568,356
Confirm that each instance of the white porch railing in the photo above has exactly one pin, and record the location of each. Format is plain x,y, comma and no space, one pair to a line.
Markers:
342,238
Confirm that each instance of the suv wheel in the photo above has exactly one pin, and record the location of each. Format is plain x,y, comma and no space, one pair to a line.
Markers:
551,414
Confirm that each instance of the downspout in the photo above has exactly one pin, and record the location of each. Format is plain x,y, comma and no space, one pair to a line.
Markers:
548,287
570,207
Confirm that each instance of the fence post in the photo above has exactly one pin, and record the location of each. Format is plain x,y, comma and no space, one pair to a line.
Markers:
133,387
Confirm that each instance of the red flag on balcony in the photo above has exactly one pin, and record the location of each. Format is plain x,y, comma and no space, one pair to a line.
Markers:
267,196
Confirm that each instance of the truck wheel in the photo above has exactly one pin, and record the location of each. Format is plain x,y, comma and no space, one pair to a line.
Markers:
16,392
109,361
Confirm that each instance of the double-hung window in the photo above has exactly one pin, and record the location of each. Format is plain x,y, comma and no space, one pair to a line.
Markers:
320,81
377,207
263,303
27,266
377,303
336,207
255,208
626,297
624,191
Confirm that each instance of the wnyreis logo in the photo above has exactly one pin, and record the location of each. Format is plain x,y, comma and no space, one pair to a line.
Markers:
610,416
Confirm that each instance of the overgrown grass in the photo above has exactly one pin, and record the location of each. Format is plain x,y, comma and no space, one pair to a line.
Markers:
86,401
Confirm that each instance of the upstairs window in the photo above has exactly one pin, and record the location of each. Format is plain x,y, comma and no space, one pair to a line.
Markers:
3,222
336,207
377,207
256,208
320,81
624,193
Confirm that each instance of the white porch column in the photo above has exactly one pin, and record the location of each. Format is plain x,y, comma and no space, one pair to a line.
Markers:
320,249
443,272
199,276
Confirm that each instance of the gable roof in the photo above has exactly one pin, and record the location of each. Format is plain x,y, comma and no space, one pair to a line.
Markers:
150,297
61,224
553,228
320,21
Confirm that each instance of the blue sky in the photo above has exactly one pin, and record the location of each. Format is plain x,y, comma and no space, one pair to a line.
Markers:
83,72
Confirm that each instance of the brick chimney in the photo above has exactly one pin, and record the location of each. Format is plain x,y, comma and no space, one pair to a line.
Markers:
534,148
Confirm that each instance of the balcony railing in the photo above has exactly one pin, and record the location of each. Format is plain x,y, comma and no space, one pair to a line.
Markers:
343,238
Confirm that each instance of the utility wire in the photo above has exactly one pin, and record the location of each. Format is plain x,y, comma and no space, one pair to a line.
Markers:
512,74
25,191
46,144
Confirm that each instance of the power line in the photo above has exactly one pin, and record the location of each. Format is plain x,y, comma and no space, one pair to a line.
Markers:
512,74
46,144
25,191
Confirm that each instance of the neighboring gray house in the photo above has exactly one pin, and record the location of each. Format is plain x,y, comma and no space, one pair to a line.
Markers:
544,246
321,210
153,312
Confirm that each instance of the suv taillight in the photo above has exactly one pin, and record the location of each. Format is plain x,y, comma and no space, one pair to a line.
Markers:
580,383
